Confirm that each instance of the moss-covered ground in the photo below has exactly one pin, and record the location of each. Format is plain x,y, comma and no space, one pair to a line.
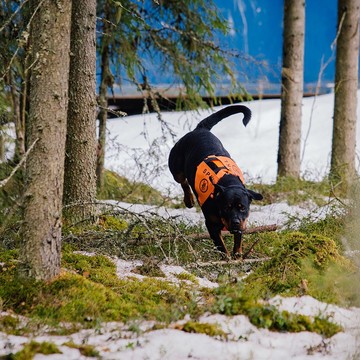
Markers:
89,291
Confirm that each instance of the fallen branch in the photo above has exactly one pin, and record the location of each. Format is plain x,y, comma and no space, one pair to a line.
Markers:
205,235
253,230
232,262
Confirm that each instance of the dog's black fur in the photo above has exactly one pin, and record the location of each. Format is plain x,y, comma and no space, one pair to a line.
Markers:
230,203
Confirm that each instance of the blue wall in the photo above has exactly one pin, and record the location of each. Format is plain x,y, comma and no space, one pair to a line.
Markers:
258,32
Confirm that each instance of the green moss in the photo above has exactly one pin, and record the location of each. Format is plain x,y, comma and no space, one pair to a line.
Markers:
32,348
294,191
119,188
295,259
267,316
230,300
116,223
105,223
331,226
97,268
187,276
149,268
85,350
9,324
92,292
213,330
9,256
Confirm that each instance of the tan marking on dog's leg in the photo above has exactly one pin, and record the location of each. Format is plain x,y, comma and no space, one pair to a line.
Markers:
237,250
188,195
219,242
189,200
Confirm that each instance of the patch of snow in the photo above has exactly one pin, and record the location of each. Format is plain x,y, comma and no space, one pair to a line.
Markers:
307,305
124,269
138,341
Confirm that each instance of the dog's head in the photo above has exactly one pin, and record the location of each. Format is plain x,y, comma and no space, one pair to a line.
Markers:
233,203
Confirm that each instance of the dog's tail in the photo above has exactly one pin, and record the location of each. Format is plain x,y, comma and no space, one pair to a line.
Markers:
213,119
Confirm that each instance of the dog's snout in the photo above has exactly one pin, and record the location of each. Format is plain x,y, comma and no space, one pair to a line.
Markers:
235,224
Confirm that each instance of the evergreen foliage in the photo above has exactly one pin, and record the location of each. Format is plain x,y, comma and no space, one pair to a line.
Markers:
175,38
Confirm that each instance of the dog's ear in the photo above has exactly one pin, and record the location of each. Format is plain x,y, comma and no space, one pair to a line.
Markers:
254,195
218,190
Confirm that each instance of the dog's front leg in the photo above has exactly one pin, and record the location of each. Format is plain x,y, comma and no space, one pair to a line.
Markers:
188,196
237,251
215,234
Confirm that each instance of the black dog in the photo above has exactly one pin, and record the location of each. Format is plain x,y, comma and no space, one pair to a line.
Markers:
199,160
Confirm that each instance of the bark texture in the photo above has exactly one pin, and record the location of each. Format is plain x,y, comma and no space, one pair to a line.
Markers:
50,37
106,81
346,85
291,89
80,161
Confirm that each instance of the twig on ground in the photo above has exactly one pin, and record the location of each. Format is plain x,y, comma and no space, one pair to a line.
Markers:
250,249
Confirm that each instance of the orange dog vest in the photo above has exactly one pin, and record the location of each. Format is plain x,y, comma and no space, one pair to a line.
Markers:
210,171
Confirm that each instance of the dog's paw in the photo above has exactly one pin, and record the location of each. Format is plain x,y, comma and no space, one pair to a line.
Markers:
237,256
225,256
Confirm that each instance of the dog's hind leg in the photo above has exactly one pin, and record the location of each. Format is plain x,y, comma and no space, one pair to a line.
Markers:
188,195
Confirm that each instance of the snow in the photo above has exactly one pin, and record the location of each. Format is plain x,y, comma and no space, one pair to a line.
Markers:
255,150
243,340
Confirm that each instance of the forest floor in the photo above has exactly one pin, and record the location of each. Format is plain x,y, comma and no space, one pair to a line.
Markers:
209,334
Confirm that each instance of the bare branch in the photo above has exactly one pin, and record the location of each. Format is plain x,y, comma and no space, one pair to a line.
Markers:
117,113
13,15
232,262
16,168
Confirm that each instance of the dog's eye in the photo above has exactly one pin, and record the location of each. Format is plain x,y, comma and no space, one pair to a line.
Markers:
241,207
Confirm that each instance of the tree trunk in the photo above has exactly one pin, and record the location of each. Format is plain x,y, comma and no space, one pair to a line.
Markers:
106,80
80,161
102,123
40,252
291,89
346,85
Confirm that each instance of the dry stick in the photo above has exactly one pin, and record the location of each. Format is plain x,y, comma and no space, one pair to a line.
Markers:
16,168
253,230
232,262
250,249
200,236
